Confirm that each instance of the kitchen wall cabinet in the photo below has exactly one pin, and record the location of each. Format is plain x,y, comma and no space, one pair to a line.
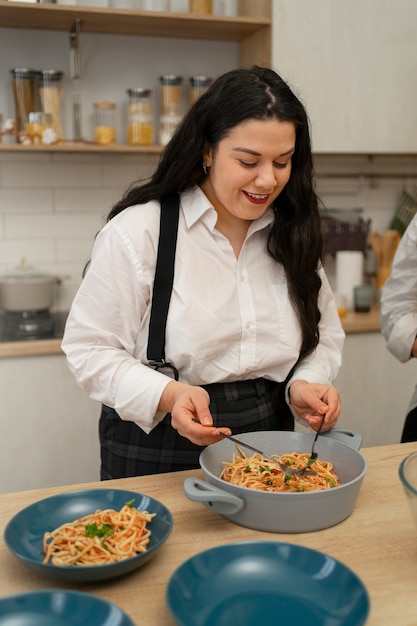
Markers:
353,65
49,427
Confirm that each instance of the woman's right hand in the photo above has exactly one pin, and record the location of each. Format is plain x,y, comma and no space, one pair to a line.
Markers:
188,403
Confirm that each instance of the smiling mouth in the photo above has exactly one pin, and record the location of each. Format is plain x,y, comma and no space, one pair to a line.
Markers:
257,198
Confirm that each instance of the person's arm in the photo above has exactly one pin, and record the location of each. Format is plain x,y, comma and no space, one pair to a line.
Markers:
311,392
399,299
106,330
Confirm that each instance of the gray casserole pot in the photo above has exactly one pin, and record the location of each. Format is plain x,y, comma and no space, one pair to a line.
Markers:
283,512
27,290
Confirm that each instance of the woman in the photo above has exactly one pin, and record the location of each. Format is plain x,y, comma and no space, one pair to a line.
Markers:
249,301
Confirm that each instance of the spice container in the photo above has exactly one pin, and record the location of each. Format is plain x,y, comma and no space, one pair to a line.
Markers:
104,123
202,7
50,92
140,123
23,85
199,84
37,125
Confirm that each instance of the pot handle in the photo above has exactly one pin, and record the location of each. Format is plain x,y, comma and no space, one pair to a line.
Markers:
212,497
352,439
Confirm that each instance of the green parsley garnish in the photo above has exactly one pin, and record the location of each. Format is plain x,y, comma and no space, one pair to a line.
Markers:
102,532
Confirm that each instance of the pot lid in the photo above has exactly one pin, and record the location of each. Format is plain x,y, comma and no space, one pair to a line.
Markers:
25,272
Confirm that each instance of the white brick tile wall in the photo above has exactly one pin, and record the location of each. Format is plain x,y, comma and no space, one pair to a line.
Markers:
53,204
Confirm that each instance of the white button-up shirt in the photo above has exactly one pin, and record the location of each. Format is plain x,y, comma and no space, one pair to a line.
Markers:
229,319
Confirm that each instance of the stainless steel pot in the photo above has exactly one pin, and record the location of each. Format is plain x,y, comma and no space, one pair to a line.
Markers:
25,290
283,512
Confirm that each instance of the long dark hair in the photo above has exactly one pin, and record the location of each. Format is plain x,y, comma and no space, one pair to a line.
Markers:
295,238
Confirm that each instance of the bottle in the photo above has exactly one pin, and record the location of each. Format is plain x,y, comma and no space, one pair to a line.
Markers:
23,85
140,123
199,84
171,106
104,123
50,92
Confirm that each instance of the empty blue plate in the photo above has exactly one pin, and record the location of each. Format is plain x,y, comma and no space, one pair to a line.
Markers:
23,534
60,608
258,582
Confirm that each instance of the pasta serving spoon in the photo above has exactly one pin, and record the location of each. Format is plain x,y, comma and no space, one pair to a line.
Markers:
287,469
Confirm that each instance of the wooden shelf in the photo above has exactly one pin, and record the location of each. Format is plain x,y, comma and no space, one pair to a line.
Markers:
129,22
80,147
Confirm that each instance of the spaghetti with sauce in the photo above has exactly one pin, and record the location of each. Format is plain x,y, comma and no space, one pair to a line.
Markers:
256,472
106,536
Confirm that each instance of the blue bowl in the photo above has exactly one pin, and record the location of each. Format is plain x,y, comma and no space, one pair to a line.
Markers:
24,533
408,477
66,608
259,582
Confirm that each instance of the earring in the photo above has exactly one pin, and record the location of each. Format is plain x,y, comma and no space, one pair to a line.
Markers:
206,168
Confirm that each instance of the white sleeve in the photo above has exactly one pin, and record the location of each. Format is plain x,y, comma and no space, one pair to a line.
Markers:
322,366
108,314
399,297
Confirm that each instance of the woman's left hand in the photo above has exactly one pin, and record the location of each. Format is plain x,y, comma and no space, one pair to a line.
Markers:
311,401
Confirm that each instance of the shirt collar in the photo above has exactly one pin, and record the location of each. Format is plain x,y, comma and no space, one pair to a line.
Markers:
196,206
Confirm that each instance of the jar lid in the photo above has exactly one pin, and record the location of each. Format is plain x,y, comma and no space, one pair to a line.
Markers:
200,81
139,92
170,79
51,74
22,72
104,105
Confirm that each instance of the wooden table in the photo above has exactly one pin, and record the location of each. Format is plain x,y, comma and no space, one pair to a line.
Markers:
378,541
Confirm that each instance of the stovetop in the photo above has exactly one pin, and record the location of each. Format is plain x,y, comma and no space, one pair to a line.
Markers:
52,329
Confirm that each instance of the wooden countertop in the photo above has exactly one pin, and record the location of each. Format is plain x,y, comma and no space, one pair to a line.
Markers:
378,541
34,347
362,322
352,323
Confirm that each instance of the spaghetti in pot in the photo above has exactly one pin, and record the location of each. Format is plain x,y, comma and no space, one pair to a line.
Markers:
256,472
106,536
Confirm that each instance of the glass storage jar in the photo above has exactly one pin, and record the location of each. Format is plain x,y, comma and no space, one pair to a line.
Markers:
104,122
50,92
24,94
35,128
171,94
202,7
199,84
140,122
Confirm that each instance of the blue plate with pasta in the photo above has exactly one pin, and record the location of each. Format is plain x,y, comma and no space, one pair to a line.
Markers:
265,582
51,607
24,534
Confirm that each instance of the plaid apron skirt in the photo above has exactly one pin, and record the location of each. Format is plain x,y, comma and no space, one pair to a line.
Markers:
126,450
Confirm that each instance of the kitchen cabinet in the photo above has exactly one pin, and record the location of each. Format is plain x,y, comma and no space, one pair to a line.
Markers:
49,427
250,30
375,388
353,65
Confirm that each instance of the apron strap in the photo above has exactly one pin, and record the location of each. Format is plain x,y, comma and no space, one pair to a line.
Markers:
164,278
